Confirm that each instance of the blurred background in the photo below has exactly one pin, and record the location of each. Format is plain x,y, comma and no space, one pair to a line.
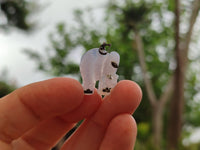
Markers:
159,45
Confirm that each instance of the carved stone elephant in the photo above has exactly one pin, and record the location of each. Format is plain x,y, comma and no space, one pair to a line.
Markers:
99,66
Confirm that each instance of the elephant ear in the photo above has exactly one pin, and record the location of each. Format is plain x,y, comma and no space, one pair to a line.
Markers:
115,58
111,64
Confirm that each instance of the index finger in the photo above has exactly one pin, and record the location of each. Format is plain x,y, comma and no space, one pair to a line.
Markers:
123,99
25,107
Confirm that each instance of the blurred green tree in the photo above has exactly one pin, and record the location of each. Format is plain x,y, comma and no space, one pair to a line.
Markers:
154,52
15,13
6,86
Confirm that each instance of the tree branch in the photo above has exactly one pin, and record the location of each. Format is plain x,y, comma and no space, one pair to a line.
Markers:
147,81
194,14
177,103
167,93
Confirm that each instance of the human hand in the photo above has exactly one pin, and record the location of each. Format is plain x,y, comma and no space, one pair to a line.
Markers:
36,116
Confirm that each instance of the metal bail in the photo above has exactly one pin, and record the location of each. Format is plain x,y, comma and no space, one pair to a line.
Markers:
102,48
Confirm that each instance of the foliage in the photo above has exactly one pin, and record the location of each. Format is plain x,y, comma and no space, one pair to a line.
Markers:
192,110
57,61
5,88
16,13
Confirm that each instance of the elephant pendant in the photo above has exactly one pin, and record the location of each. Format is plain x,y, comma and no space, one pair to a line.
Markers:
99,65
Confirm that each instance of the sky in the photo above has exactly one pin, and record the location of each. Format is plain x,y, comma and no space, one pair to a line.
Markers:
20,68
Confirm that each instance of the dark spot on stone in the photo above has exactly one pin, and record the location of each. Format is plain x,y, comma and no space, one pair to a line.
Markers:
88,91
106,90
114,64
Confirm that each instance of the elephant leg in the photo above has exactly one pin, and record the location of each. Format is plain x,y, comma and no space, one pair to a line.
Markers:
103,88
88,86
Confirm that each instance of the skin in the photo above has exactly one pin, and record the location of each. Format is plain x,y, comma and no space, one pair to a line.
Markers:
37,116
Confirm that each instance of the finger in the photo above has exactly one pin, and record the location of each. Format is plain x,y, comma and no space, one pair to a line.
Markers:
89,105
5,146
27,106
124,98
121,134
47,134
